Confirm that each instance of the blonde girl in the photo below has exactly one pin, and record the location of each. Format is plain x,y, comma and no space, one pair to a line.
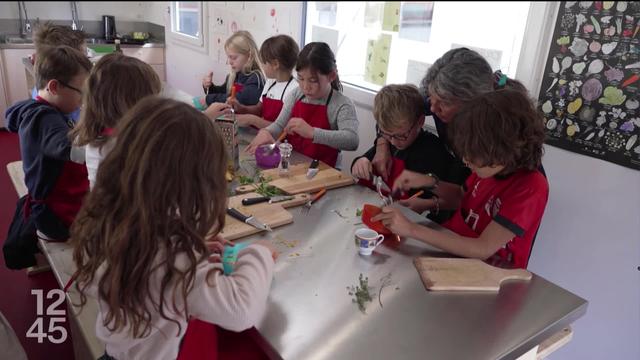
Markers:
116,83
140,238
245,80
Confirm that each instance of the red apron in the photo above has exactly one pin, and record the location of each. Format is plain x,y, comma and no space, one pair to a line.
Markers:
206,341
271,107
397,167
316,116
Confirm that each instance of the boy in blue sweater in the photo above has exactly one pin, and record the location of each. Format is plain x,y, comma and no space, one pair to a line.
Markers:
55,175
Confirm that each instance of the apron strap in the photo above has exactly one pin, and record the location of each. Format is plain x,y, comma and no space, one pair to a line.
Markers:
285,88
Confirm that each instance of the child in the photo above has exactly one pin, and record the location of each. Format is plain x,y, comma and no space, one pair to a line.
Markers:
499,135
318,119
116,83
140,236
245,75
49,35
399,114
54,170
278,55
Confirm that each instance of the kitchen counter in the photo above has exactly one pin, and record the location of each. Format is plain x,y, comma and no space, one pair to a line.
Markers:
124,46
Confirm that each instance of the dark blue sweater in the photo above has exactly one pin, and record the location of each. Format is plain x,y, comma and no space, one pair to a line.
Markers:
252,86
44,147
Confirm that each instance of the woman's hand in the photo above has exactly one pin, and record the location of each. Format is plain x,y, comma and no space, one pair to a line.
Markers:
263,137
362,169
411,180
418,205
382,160
393,219
207,80
300,127
268,245
217,109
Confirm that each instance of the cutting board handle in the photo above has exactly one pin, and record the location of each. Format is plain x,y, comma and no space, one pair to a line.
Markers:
514,274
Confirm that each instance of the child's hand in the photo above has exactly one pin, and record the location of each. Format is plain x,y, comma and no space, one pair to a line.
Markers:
239,108
393,219
362,169
268,245
216,247
207,80
263,137
217,109
418,204
300,127
245,120
411,180
382,160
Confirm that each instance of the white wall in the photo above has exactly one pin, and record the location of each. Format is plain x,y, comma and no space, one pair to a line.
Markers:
185,67
589,240
87,10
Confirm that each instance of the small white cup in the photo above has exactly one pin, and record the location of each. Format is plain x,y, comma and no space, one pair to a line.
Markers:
367,240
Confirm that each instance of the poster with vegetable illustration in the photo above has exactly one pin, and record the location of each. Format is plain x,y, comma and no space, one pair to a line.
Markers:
589,92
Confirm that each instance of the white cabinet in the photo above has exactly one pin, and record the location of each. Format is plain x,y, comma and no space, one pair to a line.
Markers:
152,56
15,79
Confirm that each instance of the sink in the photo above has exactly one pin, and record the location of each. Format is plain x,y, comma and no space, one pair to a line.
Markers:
94,40
15,39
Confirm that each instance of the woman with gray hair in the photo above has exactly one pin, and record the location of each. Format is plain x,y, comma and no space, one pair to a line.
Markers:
453,80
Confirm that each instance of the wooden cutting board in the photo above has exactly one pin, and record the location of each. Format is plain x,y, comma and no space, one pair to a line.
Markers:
299,199
273,215
297,182
464,274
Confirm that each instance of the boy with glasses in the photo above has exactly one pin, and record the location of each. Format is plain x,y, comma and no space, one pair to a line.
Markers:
55,174
50,35
399,114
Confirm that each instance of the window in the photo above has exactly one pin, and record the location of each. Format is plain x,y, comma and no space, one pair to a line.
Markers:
187,22
379,43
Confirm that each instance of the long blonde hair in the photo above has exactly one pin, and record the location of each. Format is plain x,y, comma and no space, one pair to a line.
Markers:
242,42
159,194
116,83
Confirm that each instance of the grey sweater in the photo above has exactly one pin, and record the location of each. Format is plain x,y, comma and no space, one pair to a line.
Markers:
342,119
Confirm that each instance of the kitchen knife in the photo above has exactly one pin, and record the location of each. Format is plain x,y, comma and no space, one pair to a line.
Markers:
271,200
313,169
234,213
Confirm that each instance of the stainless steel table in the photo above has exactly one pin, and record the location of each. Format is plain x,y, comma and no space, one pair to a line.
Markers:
311,315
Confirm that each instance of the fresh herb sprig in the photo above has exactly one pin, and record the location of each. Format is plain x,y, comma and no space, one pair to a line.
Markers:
361,293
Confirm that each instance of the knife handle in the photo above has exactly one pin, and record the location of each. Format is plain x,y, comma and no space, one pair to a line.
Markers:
256,200
318,195
314,164
237,214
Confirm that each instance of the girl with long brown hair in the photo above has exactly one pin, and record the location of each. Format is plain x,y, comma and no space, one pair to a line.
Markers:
141,236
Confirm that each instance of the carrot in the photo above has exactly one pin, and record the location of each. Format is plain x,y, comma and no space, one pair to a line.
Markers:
633,78
233,91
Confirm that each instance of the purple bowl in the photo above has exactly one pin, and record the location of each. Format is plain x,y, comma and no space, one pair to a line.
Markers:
266,160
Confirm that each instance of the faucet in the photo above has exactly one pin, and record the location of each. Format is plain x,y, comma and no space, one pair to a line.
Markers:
75,21
25,24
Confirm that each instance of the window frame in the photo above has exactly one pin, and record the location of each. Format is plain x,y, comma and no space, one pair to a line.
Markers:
198,43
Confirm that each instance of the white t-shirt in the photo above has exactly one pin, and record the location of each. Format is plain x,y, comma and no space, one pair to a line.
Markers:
235,302
276,91
93,157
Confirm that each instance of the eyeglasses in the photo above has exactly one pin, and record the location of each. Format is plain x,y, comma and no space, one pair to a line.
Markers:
399,137
70,87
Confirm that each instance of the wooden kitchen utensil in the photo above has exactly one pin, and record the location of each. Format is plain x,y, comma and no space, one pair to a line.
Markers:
297,181
464,274
273,215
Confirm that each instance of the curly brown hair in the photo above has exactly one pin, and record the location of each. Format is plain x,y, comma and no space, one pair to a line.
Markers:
115,84
159,193
502,127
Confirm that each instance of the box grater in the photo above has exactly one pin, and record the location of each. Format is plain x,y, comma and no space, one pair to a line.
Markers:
229,128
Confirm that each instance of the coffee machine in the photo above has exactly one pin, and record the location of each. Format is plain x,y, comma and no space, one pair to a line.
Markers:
109,27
